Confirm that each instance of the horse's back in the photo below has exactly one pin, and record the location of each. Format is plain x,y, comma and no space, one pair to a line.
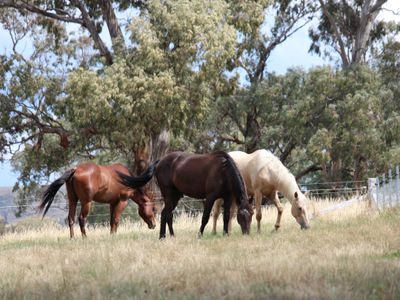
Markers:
271,170
259,170
191,174
99,183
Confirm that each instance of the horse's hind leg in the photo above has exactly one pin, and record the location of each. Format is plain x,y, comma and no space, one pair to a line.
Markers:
72,203
206,214
85,208
279,207
216,212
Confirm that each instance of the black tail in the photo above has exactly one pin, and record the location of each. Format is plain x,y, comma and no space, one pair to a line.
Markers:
52,190
236,180
139,181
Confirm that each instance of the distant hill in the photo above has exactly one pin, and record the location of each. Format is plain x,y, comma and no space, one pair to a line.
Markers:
5,190
8,208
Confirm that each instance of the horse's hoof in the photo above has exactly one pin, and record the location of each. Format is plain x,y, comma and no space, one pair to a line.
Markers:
199,235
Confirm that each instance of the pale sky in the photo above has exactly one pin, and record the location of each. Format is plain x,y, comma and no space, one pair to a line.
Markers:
292,53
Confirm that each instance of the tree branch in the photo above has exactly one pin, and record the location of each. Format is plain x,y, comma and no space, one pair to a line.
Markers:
310,169
62,15
234,139
91,27
114,29
22,5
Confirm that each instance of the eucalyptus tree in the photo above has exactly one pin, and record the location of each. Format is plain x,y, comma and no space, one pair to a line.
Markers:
350,29
261,26
89,15
59,106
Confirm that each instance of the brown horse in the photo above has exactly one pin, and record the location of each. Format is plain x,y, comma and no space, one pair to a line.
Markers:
90,182
200,176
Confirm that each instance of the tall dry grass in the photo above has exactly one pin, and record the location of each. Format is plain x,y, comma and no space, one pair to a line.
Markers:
348,254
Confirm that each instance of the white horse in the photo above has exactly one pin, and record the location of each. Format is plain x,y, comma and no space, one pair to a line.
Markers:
265,175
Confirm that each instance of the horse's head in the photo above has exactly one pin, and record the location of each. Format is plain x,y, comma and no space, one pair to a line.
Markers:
299,210
146,207
244,216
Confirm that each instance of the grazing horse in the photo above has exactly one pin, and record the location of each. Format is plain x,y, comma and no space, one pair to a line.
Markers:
265,175
90,182
201,176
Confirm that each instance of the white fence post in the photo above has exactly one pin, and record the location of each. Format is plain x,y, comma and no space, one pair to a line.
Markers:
397,185
385,190
390,188
373,191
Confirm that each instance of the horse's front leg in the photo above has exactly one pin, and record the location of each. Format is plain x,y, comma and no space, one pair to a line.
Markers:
206,214
279,207
112,214
232,210
258,199
227,215
116,216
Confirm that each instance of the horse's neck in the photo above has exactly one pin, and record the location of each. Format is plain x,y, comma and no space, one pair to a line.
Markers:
287,184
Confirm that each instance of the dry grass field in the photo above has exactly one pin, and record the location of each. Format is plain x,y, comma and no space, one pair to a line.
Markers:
349,254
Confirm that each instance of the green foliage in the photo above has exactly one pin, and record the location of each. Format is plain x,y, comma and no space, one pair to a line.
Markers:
180,72
164,82
351,29
334,119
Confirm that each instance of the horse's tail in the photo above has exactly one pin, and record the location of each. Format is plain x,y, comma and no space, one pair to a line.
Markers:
139,181
52,190
236,179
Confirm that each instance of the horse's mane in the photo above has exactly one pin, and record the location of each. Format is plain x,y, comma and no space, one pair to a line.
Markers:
236,180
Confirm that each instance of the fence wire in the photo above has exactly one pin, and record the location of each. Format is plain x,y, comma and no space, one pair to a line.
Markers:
314,191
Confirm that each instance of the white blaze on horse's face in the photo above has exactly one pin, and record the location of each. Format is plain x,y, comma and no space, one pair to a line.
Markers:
299,210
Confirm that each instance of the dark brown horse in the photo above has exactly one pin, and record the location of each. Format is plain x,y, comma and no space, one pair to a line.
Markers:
90,182
200,176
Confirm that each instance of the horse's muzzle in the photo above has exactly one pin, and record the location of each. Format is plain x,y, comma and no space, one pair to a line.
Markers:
245,231
152,225
304,226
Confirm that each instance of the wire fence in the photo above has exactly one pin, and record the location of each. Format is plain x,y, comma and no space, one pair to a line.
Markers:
340,190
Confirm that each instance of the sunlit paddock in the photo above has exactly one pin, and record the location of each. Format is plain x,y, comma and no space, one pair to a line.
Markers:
347,254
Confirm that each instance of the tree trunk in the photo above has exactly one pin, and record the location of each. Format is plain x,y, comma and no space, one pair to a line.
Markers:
364,30
159,146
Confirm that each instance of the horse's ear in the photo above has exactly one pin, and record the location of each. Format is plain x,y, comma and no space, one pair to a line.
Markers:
296,196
